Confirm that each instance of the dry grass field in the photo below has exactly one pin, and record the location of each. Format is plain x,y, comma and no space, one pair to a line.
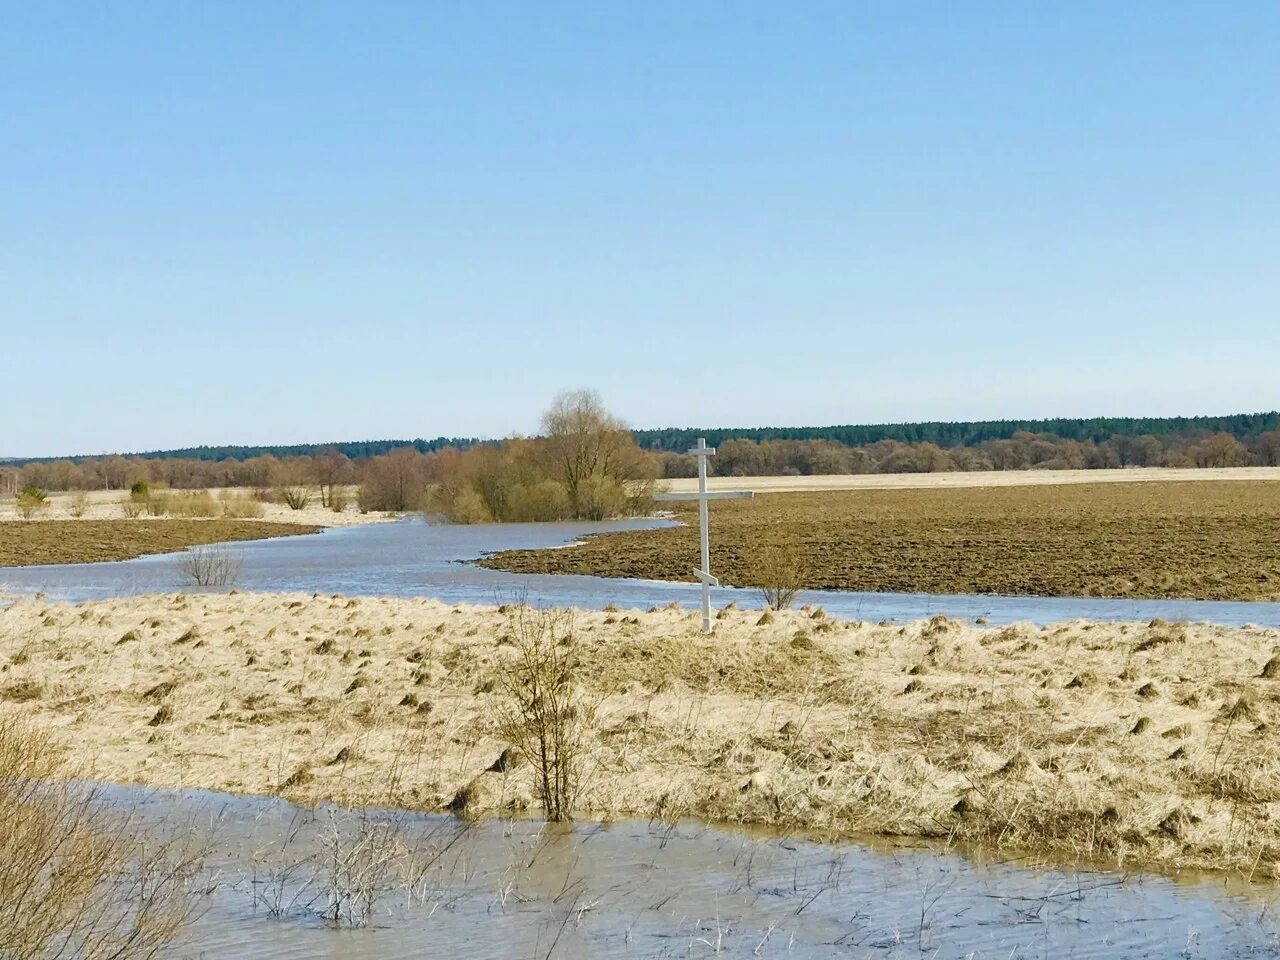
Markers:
115,504
1217,540
977,478
89,541
1134,744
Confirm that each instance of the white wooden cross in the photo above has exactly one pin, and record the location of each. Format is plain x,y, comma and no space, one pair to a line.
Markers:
702,451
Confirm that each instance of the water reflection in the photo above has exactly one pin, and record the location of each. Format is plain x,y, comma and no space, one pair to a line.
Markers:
502,889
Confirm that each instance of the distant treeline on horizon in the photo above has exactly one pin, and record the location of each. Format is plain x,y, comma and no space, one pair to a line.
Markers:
944,434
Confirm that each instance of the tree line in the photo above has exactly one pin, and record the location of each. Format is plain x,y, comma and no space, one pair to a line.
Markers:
1021,451
587,463
1170,431
946,434
584,464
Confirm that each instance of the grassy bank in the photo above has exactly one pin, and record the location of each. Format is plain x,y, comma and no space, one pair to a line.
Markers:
1215,540
89,541
1138,744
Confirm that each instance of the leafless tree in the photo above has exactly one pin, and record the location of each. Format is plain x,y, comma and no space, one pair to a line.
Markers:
394,481
584,446
330,468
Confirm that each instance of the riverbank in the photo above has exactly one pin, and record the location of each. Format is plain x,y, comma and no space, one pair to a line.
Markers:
1140,745
1205,540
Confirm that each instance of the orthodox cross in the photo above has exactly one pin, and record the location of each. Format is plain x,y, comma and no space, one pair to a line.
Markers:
702,451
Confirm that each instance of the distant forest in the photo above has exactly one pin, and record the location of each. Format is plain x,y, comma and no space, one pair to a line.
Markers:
1242,426
511,479
943,434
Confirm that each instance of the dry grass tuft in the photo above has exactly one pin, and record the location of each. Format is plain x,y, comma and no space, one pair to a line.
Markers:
76,879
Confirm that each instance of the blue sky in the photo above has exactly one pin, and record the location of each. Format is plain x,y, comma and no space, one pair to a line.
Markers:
268,222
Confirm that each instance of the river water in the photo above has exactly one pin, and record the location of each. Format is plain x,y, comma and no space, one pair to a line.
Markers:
502,889
411,558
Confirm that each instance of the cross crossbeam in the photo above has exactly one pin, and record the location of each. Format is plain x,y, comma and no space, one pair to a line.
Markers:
703,573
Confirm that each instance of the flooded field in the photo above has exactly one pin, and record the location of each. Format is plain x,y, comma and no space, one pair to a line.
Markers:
411,558
286,882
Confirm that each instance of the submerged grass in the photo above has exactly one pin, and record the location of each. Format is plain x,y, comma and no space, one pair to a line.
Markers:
1139,744
1213,540
89,541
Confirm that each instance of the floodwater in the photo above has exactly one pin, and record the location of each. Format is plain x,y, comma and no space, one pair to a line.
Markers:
421,885
411,558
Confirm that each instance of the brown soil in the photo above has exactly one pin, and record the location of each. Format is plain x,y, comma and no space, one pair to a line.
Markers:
89,541
1140,744
1213,540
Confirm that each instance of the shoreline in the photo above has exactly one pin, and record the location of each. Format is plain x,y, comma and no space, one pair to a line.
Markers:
1139,745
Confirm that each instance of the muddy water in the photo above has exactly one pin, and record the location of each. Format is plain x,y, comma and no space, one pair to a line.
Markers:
412,558
502,889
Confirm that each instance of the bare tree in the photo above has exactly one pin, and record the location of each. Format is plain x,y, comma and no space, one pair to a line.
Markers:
581,441
1267,447
394,481
1220,450
330,467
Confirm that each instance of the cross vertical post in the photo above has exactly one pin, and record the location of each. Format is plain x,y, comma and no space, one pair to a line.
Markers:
703,573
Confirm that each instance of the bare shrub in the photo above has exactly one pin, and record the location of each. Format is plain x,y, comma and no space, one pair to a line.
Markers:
76,879
466,506
338,499
79,504
240,507
31,501
358,859
542,500
545,715
195,503
133,509
600,497
266,495
395,481
639,497
295,497
780,571
211,565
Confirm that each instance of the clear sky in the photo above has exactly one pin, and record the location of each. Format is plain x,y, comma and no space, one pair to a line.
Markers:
264,222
